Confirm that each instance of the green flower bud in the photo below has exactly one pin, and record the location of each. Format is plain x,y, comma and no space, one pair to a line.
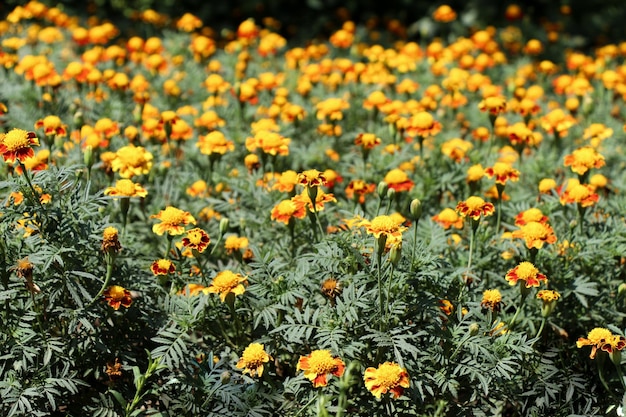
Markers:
382,189
88,157
416,209
224,226
395,254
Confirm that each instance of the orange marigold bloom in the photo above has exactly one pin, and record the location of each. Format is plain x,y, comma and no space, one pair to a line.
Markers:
311,178
557,121
126,188
475,207
456,149
191,290
110,240
526,272
423,124
117,296
52,126
583,159
388,377
398,180
215,143
530,215
271,143
492,300
321,198
444,14
358,189
582,194
163,267
16,144
286,181
603,339
331,108
503,172
535,234
286,210
173,221
188,23
448,218
493,104
318,365
252,359
227,282
196,239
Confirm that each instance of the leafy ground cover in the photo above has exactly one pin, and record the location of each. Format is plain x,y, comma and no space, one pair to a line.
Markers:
205,224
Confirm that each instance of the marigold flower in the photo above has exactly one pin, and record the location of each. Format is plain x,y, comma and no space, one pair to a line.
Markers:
384,225
583,159
530,215
110,240
549,299
446,307
535,234
163,267
52,126
286,181
271,143
318,365
191,290
358,189
126,188
132,161
215,143
235,243
196,239
173,221
331,288
388,377
252,359
423,124
582,194
117,296
311,178
227,282
448,218
331,108
475,207
475,173
286,210
493,104
546,185
526,272
16,144
114,370
503,172
321,198
601,338
398,180
367,140
188,23
557,121
444,14
492,300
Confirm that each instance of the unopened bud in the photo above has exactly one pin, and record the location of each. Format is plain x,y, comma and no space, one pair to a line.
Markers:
416,209
621,290
225,377
473,328
382,189
88,156
391,193
395,253
79,120
224,226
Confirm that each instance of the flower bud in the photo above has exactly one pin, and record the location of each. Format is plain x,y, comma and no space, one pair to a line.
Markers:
395,253
391,193
79,120
225,377
416,209
224,226
473,328
88,157
382,189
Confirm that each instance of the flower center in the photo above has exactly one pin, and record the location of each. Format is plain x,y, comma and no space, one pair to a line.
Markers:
526,271
172,215
534,230
16,139
225,281
254,355
195,236
388,375
599,335
396,176
125,187
579,192
474,203
321,362
383,224
423,120
533,215
116,292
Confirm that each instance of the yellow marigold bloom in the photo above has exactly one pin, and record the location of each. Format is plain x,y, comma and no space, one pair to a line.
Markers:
106,127
214,143
596,181
526,272
286,181
503,172
311,178
475,207
398,180
446,307
557,121
235,243
596,133
444,14
52,126
252,359
110,240
17,144
117,296
423,124
321,198
191,290
131,161
546,185
493,104
247,30
198,189
271,143
535,234
388,377
475,173
286,210
367,140
126,188
331,108
38,162
227,282
162,267
456,149
375,100
582,194
601,338
188,23
521,134
530,215
173,221
196,239
449,218
548,295
583,159
384,225
492,300
318,365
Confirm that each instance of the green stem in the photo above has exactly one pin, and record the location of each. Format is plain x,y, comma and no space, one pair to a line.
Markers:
109,259
305,406
414,246
543,323
521,304
30,184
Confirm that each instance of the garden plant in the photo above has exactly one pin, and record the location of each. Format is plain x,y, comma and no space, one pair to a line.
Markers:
204,223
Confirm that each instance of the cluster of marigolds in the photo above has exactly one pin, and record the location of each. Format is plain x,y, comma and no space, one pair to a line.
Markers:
519,115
